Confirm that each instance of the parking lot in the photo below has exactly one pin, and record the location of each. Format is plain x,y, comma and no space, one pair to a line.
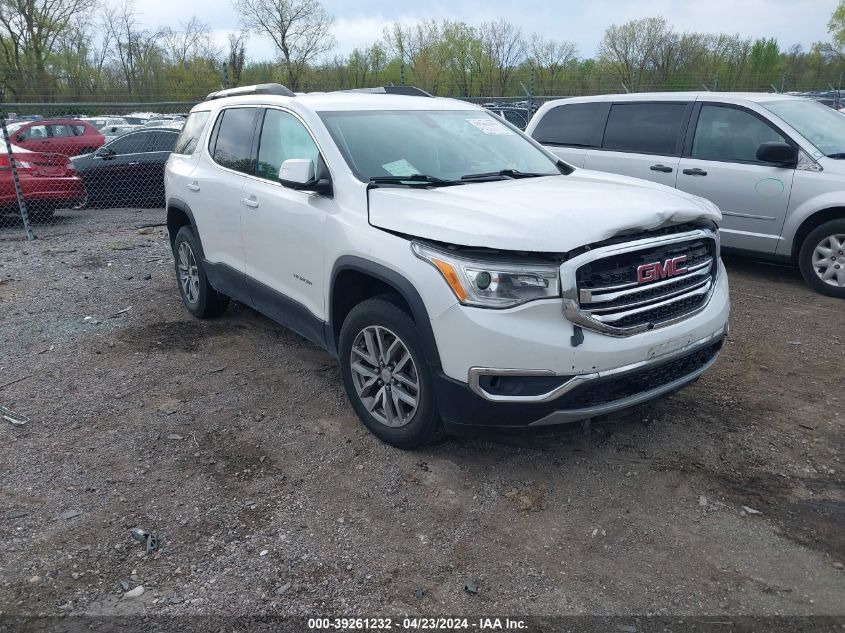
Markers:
233,442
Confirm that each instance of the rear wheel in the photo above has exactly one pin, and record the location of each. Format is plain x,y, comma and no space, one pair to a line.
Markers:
822,258
199,297
386,375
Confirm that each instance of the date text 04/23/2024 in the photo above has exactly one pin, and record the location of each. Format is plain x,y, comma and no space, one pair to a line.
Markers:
417,624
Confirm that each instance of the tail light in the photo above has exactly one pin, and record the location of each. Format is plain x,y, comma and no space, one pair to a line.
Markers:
5,163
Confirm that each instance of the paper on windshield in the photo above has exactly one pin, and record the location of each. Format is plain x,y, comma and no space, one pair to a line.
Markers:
400,167
489,126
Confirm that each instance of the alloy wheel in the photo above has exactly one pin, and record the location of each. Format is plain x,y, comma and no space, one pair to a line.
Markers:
385,376
829,260
189,276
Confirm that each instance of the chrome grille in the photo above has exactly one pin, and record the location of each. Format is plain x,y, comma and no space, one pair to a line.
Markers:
609,294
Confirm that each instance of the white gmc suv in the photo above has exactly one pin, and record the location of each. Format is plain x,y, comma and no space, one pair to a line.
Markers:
462,275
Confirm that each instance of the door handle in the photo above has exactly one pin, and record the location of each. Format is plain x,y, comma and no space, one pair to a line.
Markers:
695,172
250,202
193,186
133,163
661,168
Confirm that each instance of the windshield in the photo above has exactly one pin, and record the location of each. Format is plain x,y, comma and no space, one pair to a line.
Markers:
443,145
14,127
824,127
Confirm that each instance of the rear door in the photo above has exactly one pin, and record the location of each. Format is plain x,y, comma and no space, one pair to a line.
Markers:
62,139
643,140
147,174
110,181
571,129
720,164
215,188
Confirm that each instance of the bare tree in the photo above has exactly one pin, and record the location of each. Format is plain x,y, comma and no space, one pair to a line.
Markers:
29,31
237,56
136,50
630,49
191,40
300,29
504,46
550,58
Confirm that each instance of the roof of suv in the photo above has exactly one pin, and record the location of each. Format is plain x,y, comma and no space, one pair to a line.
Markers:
732,97
335,101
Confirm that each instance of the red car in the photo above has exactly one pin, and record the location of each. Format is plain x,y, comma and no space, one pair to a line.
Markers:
65,136
48,182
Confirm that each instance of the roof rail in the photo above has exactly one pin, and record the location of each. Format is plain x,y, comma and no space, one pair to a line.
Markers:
258,89
410,91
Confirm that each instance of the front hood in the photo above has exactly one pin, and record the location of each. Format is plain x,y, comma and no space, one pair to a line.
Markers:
548,214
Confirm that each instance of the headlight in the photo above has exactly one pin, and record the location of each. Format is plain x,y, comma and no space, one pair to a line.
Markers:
491,284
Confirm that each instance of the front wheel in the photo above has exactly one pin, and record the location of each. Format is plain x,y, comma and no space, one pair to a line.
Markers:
386,375
199,297
822,258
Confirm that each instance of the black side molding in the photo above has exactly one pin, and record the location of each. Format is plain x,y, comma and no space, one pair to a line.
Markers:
404,287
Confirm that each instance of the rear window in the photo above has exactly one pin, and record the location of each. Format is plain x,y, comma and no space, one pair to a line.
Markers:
575,124
645,128
189,138
233,143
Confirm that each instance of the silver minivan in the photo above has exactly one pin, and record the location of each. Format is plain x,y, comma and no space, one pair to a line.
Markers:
773,163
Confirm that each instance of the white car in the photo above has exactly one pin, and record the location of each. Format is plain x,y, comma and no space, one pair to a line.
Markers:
773,163
461,274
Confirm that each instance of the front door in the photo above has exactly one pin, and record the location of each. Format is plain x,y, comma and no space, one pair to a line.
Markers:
283,229
721,165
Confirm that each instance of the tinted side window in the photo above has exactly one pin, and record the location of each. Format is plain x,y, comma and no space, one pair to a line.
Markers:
80,129
188,139
61,131
162,142
574,124
648,128
129,144
233,148
36,132
283,137
729,134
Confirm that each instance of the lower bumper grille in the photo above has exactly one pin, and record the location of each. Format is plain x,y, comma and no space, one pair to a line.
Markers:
608,390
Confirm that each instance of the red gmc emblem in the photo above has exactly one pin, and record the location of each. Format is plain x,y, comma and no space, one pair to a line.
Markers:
656,270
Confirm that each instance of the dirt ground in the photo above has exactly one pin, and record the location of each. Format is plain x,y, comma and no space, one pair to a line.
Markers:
233,442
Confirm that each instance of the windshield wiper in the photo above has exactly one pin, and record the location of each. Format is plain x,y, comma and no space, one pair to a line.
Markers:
836,155
503,173
414,179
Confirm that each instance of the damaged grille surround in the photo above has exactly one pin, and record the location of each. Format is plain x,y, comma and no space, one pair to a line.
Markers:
603,291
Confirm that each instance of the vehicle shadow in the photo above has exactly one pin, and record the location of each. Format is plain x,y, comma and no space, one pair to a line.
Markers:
762,269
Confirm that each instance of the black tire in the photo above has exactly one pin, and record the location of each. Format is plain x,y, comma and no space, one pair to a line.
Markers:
201,300
805,257
423,425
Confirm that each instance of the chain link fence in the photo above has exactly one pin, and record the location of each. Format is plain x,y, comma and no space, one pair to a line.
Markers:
60,161
63,161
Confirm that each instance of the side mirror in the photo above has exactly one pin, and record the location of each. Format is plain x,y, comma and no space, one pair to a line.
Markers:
105,152
21,138
780,154
300,174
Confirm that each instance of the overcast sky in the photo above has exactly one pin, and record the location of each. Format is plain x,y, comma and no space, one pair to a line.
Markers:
361,22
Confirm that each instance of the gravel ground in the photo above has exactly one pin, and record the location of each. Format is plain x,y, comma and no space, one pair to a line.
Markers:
233,442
